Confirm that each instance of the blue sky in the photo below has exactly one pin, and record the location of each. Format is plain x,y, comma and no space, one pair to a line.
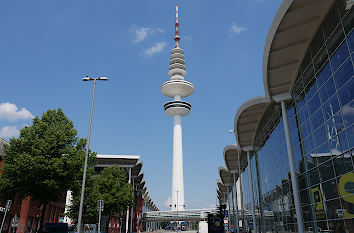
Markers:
47,47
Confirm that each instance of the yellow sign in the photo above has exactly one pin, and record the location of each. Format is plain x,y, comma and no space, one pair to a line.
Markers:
318,200
346,191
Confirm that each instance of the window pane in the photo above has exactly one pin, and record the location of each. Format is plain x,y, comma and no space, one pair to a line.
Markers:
339,56
350,135
332,207
320,136
344,73
320,59
303,114
314,103
348,114
351,41
305,129
337,226
330,189
327,90
342,164
346,94
314,176
308,144
316,119
330,108
326,169
324,75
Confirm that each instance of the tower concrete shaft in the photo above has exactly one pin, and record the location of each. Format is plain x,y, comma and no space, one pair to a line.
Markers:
177,168
177,88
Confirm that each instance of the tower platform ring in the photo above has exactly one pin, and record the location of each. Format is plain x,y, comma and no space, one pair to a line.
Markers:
177,50
177,66
179,87
177,55
177,107
177,71
177,60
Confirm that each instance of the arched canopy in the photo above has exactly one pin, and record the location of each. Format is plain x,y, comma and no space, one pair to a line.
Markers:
226,176
141,185
231,156
144,190
136,169
290,34
221,186
139,178
247,120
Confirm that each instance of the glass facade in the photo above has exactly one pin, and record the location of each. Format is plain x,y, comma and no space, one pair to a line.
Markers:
321,117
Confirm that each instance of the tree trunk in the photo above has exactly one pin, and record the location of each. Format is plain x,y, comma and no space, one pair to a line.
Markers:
41,221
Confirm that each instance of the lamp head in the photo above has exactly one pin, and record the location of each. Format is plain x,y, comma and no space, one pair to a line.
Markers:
103,78
87,78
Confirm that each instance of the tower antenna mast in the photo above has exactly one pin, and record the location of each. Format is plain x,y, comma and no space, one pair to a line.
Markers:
177,38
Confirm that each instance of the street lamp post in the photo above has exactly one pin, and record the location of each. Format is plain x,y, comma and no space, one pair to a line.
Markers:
87,149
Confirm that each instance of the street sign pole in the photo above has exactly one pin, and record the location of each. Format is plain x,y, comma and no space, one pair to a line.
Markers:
100,208
7,208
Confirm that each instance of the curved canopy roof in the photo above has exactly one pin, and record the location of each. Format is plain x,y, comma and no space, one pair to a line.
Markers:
221,186
290,34
139,178
136,169
247,120
226,176
122,161
144,190
231,156
141,185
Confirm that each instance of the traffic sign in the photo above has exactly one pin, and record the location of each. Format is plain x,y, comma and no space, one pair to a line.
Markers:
100,205
7,207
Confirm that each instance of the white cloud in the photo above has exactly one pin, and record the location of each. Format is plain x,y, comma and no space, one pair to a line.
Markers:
158,47
160,30
9,131
235,29
168,202
142,33
10,112
348,110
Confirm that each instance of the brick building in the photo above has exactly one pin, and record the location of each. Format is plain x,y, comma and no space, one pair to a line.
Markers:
25,213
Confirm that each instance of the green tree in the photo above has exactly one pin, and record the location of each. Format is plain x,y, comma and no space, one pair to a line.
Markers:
89,214
111,186
46,160
114,189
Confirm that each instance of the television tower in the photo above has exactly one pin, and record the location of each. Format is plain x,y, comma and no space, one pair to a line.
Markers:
177,88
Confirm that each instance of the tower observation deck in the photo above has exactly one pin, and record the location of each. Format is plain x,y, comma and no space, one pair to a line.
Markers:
177,88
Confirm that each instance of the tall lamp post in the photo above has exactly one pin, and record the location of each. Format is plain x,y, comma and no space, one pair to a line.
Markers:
87,149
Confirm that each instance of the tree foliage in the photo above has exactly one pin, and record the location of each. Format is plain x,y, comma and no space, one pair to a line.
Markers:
44,161
114,190
112,187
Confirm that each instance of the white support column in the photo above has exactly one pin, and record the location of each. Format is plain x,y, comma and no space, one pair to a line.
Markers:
300,223
241,191
228,203
233,204
127,219
237,223
251,191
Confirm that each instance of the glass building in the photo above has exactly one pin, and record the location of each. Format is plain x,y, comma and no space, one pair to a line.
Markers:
304,122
